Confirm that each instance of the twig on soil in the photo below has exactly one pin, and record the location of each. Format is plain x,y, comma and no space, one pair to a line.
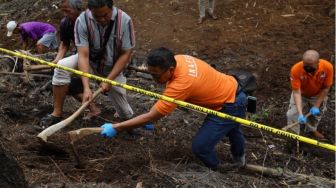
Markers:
58,168
151,164
256,26
287,163
254,186
202,177
39,89
290,176
15,64
74,178
263,164
179,162
164,174
329,108
23,74
101,159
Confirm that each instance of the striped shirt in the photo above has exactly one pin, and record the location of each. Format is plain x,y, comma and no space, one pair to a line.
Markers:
126,36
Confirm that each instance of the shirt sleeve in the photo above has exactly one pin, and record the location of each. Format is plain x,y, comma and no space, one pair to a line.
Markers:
24,35
128,37
179,90
330,75
81,32
295,79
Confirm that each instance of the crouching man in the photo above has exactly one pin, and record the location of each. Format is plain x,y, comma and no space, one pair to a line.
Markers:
193,80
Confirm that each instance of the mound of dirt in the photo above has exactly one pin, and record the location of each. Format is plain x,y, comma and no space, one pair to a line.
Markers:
12,175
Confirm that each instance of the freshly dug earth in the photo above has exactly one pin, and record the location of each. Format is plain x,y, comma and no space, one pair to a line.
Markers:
265,37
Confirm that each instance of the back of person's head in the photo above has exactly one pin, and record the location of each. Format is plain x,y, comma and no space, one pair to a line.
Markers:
161,57
100,3
74,4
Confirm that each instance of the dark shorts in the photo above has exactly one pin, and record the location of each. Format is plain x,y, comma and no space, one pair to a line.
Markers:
76,86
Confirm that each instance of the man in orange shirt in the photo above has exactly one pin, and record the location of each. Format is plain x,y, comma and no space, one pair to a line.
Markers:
311,80
193,80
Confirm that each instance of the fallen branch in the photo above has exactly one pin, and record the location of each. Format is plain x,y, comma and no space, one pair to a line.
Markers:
36,67
58,168
23,74
287,174
39,89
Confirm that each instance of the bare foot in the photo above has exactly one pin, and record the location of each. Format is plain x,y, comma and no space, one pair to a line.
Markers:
212,15
94,111
200,20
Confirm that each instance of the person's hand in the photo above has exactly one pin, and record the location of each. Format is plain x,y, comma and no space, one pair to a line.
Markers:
149,126
314,111
87,95
108,130
105,86
55,61
302,119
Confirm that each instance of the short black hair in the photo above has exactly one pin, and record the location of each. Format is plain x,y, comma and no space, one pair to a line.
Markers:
100,3
161,57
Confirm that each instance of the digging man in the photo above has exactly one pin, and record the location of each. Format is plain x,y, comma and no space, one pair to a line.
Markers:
71,10
193,80
104,38
311,80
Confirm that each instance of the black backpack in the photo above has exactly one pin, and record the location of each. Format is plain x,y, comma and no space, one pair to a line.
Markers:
245,79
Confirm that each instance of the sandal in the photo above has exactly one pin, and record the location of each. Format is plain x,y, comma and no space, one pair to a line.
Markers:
49,120
212,15
200,20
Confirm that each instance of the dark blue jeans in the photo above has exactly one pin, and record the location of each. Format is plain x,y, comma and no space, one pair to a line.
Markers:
215,128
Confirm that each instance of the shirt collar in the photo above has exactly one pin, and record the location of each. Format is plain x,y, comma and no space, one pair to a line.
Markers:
114,14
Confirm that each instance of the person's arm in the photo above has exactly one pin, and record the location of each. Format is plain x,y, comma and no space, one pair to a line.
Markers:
33,43
25,44
321,96
298,100
62,49
117,68
138,121
84,66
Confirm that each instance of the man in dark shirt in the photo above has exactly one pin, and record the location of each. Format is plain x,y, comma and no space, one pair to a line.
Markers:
71,10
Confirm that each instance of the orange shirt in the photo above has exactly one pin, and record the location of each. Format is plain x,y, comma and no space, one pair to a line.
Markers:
311,85
196,82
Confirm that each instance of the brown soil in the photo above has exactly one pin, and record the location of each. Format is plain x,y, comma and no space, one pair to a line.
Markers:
266,37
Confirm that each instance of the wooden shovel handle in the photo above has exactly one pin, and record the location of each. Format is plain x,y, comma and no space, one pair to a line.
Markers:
80,133
293,124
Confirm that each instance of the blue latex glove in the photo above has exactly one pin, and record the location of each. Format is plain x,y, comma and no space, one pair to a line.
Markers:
302,119
314,111
149,126
108,130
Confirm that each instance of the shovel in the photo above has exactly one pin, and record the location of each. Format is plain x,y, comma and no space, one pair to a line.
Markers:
43,136
294,124
76,135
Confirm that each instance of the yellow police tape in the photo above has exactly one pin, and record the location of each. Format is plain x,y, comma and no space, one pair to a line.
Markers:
181,103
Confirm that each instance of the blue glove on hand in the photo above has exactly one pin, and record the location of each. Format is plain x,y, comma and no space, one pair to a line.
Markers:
314,111
149,127
108,130
302,119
